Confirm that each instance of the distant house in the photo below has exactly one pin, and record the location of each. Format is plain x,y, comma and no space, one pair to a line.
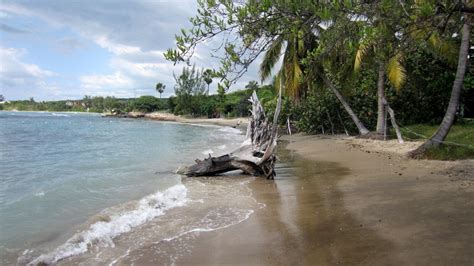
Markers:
69,103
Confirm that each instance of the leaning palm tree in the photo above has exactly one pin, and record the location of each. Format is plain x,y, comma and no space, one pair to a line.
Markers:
389,67
380,40
442,132
297,44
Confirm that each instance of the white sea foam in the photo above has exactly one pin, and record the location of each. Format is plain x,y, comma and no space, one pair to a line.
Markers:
222,147
217,224
207,152
230,130
39,194
59,114
246,142
102,233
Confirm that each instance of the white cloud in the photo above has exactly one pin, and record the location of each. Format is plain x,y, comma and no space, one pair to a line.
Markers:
136,33
117,80
20,78
117,49
13,71
12,66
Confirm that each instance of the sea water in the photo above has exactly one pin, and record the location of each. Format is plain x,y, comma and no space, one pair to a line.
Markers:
85,188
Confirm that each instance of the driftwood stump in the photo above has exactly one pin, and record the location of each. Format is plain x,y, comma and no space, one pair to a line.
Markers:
256,155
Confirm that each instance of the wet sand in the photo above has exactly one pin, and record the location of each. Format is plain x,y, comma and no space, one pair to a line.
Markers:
334,202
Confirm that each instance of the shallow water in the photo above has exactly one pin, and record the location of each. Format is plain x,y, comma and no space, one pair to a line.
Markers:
75,184
300,219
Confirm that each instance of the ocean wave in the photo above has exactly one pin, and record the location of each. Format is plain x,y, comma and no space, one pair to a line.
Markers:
216,220
230,130
102,233
59,114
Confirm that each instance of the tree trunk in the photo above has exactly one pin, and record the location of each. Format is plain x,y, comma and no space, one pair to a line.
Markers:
381,121
330,122
448,120
288,125
360,126
394,122
256,155
342,122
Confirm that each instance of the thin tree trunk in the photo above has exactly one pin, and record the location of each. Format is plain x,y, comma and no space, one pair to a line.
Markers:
289,125
360,126
342,123
381,121
330,121
395,125
448,120
394,122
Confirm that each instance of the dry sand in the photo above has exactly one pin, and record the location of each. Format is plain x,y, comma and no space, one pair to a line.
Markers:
341,201
240,123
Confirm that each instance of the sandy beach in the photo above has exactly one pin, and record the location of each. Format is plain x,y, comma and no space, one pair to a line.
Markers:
240,123
342,201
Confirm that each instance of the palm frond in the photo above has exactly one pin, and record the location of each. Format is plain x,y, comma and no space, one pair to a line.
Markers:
271,58
443,48
292,69
301,46
359,56
396,72
277,81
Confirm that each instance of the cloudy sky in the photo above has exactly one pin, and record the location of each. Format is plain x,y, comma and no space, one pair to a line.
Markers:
65,49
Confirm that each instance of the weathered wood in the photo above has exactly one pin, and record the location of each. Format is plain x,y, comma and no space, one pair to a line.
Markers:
256,156
394,122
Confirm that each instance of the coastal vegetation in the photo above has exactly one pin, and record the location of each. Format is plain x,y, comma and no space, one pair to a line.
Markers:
97,104
232,104
341,65
352,57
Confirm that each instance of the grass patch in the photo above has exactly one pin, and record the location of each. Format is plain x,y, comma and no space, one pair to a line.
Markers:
449,153
460,133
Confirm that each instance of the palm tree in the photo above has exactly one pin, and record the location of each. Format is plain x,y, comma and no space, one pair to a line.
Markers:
160,88
290,73
360,126
296,45
252,85
388,67
379,40
207,76
440,135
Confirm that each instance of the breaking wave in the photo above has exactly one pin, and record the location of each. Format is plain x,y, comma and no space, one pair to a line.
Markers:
102,233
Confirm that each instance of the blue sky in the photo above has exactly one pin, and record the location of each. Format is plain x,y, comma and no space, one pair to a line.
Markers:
65,49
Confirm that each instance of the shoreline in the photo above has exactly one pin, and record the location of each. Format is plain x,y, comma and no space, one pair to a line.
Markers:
336,201
137,207
239,122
